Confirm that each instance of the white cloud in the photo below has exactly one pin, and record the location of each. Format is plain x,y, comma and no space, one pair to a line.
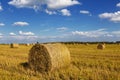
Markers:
84,12
1,34
114,17
2,24
50,12
26,33
36,4
62,28
116,33
94,33
19,39
1,7
12,34
65,12
22,37
118,5
1,37
25,3
20,23
57,4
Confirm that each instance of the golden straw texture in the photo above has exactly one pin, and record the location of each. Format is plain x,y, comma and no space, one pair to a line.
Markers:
48,57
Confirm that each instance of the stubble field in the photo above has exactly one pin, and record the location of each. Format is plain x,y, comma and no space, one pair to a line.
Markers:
87,63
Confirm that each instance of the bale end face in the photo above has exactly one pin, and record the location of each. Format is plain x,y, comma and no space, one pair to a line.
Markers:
48,57
101,46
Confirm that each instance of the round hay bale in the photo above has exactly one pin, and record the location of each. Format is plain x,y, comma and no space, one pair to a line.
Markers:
48,57
27,44
86,44
14,45
32,44
118,43
101,46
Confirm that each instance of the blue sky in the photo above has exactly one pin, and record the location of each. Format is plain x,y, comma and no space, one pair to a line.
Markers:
59,20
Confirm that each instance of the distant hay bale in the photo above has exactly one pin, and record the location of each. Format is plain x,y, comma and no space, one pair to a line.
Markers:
27,44
86,44
48,57
14,45
32,44
101,46
118,43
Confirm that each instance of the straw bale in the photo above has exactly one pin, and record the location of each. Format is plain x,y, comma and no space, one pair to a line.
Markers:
48,57
101,46
14,45
27,44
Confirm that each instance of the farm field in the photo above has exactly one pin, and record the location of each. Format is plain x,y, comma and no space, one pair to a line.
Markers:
87,63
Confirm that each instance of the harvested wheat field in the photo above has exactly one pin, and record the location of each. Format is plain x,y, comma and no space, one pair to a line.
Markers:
87,63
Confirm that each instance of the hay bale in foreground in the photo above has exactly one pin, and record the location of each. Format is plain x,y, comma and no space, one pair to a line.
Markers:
48,57
14,45
101,46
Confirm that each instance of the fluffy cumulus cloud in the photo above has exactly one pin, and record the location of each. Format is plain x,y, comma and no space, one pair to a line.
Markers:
57,4
118,5
20,23
65,12
26,33
2,24
26,3
36,4
114,17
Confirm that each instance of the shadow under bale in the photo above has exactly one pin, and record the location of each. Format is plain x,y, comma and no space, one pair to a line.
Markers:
48,57
25,65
